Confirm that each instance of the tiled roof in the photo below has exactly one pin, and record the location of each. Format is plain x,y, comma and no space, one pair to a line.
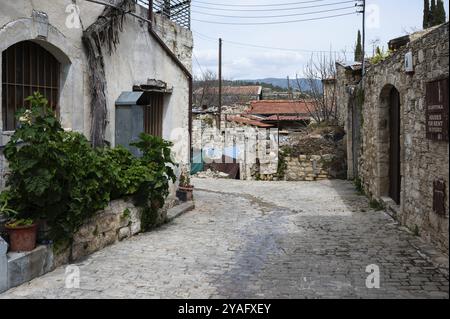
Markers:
283,118
267,107
234,90
248,121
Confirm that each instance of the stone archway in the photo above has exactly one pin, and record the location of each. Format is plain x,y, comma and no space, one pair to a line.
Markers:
389,144
38,30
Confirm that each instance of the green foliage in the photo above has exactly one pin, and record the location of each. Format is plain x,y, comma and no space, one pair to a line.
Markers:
426,14
4,207
376,205
16,223
434,13
157,165
282,164
359,186
380,56
185,180
358,48
57,176
440,15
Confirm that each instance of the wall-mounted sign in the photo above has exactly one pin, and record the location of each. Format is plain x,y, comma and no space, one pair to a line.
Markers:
437,110
409,62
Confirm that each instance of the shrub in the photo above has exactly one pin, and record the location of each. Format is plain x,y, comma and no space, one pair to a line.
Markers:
57,176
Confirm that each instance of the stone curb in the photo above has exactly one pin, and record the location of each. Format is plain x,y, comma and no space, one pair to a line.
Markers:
179,210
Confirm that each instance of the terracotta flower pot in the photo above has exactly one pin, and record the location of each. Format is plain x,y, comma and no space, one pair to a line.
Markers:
185,193
22,238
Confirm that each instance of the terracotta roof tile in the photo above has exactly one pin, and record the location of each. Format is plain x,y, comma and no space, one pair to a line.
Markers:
247,121
267,107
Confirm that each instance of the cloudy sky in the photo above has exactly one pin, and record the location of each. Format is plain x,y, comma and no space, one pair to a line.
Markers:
279,50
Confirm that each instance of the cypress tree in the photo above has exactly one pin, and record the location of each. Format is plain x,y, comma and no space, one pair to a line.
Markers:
433,13
426,14
358,49
440,16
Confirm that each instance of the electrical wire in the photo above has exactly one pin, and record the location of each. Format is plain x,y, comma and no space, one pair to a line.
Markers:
198,63
275,22
276,16
273,9
240,44
257,5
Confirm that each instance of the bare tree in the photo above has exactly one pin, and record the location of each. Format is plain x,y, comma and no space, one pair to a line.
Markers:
320,76
205,89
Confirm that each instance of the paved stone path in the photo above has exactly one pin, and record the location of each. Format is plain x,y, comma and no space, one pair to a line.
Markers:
259,240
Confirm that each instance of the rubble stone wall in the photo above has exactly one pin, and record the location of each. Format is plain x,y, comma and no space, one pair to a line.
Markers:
423,161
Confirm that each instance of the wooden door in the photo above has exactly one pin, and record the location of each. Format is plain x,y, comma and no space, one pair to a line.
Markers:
395,147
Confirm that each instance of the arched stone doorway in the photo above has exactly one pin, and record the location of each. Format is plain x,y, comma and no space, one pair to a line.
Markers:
390,144
27,67
71,77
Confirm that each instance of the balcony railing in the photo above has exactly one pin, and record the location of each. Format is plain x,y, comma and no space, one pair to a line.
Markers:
178,11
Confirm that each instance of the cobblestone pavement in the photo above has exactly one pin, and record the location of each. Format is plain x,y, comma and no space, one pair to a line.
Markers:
259,240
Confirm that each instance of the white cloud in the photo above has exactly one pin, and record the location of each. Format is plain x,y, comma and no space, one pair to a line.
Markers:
252,64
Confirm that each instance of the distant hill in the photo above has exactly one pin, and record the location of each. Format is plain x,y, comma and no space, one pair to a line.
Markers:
282,83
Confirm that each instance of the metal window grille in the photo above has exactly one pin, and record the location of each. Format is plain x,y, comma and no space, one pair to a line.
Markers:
27,68
178,11
153,115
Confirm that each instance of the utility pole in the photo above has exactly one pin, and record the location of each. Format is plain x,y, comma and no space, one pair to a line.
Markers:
220,82
362,9
289,88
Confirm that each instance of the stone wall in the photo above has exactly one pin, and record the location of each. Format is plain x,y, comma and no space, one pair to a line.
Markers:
348,78
255,149
120,220
312,167
422,161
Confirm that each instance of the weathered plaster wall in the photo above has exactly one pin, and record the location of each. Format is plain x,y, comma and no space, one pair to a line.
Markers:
347,81
137,59
422,161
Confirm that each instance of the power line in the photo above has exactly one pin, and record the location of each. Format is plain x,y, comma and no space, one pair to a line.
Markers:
198,63
269,10
257,5
276,16
240,44
277,22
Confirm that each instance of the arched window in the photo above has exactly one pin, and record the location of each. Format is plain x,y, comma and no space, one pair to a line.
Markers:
26,68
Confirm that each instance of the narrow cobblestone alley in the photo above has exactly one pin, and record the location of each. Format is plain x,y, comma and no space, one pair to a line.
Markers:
259,240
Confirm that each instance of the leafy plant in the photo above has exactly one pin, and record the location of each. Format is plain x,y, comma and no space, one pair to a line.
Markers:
376,205
282,164
154,189
4,209
16,223
380,56
185,180
359,186
59,177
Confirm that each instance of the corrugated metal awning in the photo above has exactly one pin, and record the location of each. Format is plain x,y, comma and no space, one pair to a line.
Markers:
129,98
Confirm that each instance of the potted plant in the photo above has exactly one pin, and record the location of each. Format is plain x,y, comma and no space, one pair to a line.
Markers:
185,190
22,232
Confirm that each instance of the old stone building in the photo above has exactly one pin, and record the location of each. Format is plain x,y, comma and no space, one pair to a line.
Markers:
403,153
148,71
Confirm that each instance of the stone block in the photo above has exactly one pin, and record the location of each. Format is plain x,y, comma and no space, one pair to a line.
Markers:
23,267
84,248
124,233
